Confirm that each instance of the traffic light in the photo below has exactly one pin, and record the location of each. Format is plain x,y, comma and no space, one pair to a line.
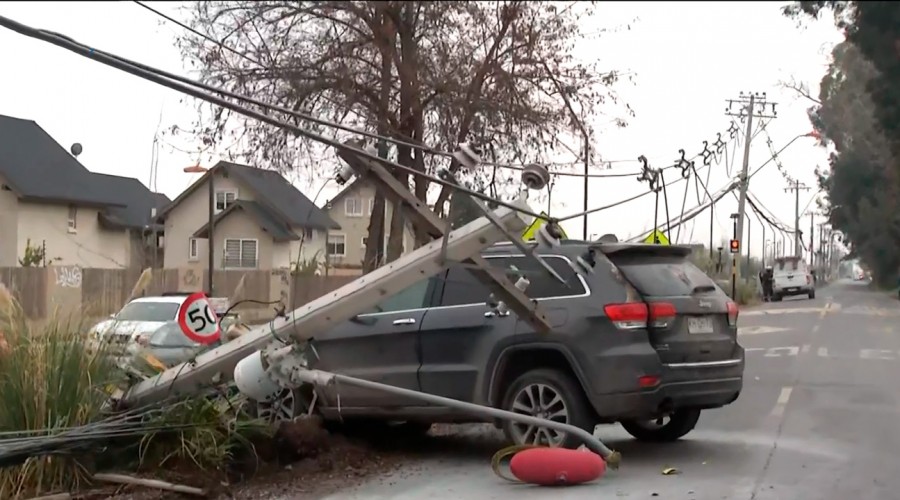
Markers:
735,246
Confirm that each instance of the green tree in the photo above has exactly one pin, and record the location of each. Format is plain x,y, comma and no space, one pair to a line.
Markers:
857,112
33,256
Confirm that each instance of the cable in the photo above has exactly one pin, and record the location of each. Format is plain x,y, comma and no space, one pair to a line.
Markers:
153,76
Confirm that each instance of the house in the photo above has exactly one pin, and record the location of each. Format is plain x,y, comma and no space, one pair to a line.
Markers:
48,200
352,209
261,221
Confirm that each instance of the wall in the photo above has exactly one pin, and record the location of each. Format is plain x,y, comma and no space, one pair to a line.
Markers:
88,246
286,254
95,293
356,228
190,215
9,226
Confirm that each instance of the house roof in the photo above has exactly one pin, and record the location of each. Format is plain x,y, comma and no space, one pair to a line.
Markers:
274,193
138,199
350,186
36,167
268,221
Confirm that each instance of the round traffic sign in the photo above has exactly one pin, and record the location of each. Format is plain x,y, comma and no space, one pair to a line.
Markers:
198,320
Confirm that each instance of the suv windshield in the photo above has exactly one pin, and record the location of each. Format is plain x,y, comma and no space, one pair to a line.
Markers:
148,311
662,275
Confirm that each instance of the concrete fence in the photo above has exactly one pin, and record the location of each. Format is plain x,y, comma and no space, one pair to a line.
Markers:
44,291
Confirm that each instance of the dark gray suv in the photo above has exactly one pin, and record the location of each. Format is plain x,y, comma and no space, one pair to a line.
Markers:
647,340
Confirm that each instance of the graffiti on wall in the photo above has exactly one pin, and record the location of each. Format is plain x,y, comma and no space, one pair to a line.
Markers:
67,276
190,279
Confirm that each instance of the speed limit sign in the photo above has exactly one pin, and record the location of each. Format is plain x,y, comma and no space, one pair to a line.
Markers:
198,320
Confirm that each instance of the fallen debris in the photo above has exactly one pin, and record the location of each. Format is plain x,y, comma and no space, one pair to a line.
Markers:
149,483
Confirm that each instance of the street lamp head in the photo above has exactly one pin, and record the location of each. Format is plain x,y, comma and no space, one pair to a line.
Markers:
734,216
195,169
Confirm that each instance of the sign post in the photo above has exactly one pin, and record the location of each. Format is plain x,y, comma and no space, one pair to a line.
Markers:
198,320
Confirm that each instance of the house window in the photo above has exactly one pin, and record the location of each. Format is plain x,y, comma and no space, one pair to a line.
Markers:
193,251
337,245
363,241
353,207
308,234
371,205
224,198
73,218
240,254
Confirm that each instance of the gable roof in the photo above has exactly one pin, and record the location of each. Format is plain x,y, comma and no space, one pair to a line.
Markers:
353,184
268,222
138,201
280,198
36,167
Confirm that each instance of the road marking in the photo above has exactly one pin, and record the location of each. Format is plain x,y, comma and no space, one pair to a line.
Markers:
805,349
782,401
877,354
755,330
815,328
775,352
823,352
793,310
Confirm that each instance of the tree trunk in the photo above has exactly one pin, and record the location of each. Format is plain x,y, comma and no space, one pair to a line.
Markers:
384,39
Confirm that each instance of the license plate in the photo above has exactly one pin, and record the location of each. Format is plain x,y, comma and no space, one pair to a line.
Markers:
700,325
791,289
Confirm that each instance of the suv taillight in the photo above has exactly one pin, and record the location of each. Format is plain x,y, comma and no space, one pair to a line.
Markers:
732,313
662,314
629,316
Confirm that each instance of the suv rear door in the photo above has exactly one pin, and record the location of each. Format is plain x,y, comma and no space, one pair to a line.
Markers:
692,320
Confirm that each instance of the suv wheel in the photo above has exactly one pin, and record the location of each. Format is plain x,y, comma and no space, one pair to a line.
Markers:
550,394
663,429
812,294
289,405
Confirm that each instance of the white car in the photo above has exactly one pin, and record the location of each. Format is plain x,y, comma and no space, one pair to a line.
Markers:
140,318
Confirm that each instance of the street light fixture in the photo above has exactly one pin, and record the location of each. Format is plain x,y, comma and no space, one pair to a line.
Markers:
197,169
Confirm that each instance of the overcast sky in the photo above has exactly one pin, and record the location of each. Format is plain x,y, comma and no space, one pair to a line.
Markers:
687,59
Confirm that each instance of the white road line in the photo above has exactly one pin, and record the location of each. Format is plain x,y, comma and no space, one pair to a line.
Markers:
805,349
815,329
782,401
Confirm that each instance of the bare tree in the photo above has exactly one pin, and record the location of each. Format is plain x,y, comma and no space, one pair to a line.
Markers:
497,74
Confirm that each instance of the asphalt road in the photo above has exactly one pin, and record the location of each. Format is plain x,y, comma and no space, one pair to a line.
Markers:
817,419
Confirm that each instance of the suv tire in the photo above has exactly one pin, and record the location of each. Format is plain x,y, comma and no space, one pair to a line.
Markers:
558,396
812,294
680,423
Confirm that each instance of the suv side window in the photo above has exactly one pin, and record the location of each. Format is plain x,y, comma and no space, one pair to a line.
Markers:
413,297
462,288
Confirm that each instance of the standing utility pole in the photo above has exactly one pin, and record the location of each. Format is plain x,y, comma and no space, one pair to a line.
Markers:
796,188
750,106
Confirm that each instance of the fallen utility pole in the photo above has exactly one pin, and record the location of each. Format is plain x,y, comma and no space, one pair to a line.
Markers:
751,105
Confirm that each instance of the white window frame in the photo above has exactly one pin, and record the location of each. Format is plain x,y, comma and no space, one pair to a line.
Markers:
328,242
225,201
309,234
357,202
241,257
72,219
193,249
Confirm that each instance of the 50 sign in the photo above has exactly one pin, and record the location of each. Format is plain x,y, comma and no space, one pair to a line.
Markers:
198,320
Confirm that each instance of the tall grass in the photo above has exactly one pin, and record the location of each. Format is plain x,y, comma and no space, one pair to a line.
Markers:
48,381
51,379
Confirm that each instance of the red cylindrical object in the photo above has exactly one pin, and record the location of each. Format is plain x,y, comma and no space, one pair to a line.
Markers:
556,466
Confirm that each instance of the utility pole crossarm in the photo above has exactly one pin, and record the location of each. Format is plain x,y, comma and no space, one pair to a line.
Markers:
796,187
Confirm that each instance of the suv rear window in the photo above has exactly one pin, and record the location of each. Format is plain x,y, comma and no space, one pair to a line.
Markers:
663,276
461,287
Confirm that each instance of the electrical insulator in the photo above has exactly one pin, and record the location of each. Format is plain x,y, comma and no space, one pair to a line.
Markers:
535,176
466,156
548,236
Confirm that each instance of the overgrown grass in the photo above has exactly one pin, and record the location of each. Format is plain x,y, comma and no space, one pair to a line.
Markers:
51,380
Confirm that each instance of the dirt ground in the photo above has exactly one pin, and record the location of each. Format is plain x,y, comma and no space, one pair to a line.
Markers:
308,462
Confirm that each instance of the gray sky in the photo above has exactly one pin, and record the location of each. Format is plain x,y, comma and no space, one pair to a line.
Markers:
687,57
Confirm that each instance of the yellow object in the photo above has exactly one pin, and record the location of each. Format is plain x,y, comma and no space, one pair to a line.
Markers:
657,238
670,471
508,452
154,362
530,231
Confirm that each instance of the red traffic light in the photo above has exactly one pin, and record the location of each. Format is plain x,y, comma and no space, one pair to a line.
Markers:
735,246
